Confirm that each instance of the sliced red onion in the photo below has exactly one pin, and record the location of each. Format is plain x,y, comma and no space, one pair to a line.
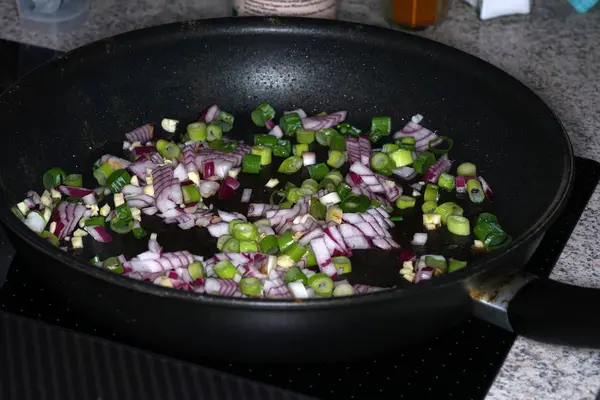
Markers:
180,173
143,151
424,274
333,232
226,192
325,121
189,159
391,190
260,210
141,201
167,262
34,197
486,189
269,124
368,177
222,287
323,257
230,216
309,158
298,290
131,190
232,182
222,168
99,233
143,134
208,169
140,168
385,243
75,191
247,193
153,245
208,188
283,215
315,233
353,150
115,162
406,173
150,210
211,114
90,199
276,289
301,113
461,183
441,166
218,230
365,150
406,255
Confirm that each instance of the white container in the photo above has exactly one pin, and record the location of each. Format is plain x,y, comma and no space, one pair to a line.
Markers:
298,8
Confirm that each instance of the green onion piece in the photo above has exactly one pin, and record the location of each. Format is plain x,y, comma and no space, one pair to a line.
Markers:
429,207
355,204
404,202
265,140
381,162
466,169
284,241
475,191
447,209
447,181
436,150
402,158
139,233
432,193
300,148
407,143
197,131
455,265
328,185
489,231
269,245
337,142
214,132
111,262
311,260
317,209
438,263
225,269
231,246
53,177
262,114
324,135
196,270
95,260
343,190
283,148
389,148
321,138
251,286
295,194
75,180
311,185
381,124
336,159
296,252
290,123
286,205
273,198
343,289
458,225
348,130
191,194
295,274
305,136
223,145
102,173
248,246
122,221
291,165
321,284
318,171
226,117
222,240
376,136
262,222
251,164
375,203
50,237
117,269
397,218
245,231
335,176
342,264
95,221
424,160
265,154
232,225
118,180
168,150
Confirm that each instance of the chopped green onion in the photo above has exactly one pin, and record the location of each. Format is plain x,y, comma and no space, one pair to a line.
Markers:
262,114
214,132
251,286
251,163
334,214
290,123
437,151
376,136
389,148
343,289
402,158
407,143
343,190
118,180
264,153
265,140
305,136
284,241
139,232
75,180
231,246
456,265
447,181
321,284
95,260
336,159
324,135
222,240
191,194
248,246
291,165
458,225
317,209
335,176
53,177
223,145
337,142
432,192
355,204
466,169
283,148
295,274
318,171
122,221
311,260
295,194
102,173
233,223
295,251
424,160
348,130
475,191
111,262
447,209
197,131
436,262
226,117
196,270
382,125
489,231
404,202
244,231
342,264
168,150
50,237
225,269
311,185
95,221
272,183
328,185
381,162
269,245
397,218
300,148
429,207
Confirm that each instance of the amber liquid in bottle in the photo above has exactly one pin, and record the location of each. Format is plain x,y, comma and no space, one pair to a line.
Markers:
416,14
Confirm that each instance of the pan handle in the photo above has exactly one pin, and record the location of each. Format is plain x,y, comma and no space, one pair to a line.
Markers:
7,254
541,309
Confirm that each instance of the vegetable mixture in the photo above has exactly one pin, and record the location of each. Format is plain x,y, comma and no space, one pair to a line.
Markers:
299,243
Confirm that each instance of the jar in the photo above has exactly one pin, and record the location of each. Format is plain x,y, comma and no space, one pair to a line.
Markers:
414,14
298,8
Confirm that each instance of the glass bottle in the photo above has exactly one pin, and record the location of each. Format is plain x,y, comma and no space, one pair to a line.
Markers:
414,14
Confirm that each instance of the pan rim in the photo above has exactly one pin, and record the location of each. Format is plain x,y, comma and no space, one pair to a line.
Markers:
300,25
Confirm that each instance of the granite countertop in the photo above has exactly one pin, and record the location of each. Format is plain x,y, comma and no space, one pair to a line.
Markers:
553,51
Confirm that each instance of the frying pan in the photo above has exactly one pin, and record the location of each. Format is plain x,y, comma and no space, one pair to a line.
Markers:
78,107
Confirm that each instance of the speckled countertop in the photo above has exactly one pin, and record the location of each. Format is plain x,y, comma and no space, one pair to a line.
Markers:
553,50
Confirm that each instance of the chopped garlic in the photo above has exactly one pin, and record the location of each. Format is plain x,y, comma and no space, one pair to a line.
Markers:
52,227
105,210
389,183
82,222
409,277
149,190
149,176
167,161
80,233
46,199
77,243
23,208
55,194
272,183
119,199
169,125
136,214
194,177
135,181
165,282
93,209
234,172
478,244
408,264
285,261
432,221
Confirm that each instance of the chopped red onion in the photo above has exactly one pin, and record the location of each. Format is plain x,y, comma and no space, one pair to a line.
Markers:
368,177
208,169
486,189
211,114
424,274
365,150
406,173
231,182
150,210
140,168
269,124
406,255
325,121
246,194
226,192
143,134
99,233
130,190
323,257
75,191
180,173
363,289
315,233
143,151
276,131
309,158
419,239
441,166
208,188
90,199
218,230
230,216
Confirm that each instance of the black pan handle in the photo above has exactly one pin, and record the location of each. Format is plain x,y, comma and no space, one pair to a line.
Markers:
541,309
7,254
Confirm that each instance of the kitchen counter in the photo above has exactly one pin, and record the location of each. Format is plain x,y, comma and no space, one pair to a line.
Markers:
553,51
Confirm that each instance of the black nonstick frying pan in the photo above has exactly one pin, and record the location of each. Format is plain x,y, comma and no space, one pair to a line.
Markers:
78,107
